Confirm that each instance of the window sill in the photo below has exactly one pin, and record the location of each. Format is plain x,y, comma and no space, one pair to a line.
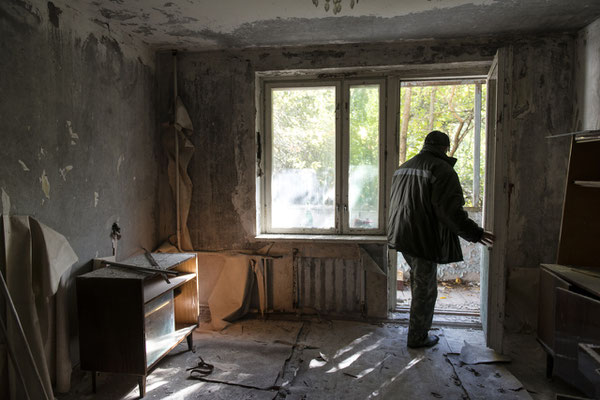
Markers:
296,237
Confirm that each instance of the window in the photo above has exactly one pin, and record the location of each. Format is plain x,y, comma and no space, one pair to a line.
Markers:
331,144
323,163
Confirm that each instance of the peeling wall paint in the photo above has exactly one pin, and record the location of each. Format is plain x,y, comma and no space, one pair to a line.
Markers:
61,68
45,184
64,171
24,166
74,135
205,24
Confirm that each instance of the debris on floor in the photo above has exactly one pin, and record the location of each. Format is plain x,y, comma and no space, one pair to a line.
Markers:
316,360
471,354
488,381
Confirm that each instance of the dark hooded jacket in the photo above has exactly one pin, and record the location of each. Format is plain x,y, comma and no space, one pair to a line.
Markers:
426,209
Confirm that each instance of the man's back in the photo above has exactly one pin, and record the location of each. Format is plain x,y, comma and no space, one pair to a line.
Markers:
426,209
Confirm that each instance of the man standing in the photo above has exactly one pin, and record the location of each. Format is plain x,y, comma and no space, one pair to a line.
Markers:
426,218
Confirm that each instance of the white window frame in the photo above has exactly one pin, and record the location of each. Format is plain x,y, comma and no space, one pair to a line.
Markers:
342,149
392,76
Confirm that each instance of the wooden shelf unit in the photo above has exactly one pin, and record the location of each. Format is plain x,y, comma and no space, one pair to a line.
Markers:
569,291
129,320
580,228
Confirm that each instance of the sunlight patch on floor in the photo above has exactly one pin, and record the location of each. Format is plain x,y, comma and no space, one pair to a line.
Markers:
348,361
411,364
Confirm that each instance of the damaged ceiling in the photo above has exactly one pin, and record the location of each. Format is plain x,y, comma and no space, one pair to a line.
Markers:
210,24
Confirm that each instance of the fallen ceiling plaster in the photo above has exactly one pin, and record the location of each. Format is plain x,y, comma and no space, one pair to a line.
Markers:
206,24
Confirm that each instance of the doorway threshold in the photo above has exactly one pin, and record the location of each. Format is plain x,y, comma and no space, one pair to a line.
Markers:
469,313
450,318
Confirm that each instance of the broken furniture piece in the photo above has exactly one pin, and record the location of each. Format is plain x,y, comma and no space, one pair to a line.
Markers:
569,294
130,319
589,364
569,306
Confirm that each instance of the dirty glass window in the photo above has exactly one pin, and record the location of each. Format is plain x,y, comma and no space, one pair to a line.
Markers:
303,157
322,167
363,172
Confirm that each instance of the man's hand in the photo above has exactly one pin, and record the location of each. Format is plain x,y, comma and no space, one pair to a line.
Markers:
487,239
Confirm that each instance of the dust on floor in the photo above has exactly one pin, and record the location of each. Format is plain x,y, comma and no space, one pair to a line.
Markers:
293,360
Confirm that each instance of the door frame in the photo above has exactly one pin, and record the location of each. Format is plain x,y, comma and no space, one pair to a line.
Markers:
497,198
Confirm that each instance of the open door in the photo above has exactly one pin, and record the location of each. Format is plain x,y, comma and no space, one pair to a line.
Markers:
495,205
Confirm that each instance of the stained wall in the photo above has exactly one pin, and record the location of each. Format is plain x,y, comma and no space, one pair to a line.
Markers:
78,147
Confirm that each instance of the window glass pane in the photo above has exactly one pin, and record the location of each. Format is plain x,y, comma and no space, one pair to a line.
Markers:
363,174
451,109
303,158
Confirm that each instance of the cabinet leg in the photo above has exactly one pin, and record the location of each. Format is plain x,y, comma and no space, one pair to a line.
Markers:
142,385
549,365
190,342
93,381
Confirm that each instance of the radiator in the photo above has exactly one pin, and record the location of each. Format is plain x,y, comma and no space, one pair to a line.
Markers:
329,285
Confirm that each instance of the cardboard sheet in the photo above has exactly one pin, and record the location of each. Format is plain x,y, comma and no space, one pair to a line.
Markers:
182,128
230,298
35,261
471,354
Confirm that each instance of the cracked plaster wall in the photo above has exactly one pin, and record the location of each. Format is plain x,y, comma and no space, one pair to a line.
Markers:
543,103
218,89
77,145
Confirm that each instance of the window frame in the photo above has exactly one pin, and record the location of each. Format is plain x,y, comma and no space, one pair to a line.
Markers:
392,75
342,152
266,181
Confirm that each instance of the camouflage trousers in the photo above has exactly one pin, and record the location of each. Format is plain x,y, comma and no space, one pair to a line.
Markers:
423,286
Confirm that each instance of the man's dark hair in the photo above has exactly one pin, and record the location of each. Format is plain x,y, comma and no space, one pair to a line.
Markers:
437,138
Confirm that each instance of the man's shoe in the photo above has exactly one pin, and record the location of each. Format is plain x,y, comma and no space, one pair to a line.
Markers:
429,341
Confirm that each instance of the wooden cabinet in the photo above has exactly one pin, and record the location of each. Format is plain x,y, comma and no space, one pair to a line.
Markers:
569,295
129,320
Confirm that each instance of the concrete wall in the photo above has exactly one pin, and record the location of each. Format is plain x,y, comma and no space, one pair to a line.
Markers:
542,103
77,109
574,94
218,89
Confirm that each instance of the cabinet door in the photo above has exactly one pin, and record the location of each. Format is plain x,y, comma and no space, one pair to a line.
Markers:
576,322
547,306
111,325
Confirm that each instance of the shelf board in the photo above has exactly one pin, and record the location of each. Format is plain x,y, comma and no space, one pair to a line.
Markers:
157,286
164,260
159,347
583,136
587,278
589,184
